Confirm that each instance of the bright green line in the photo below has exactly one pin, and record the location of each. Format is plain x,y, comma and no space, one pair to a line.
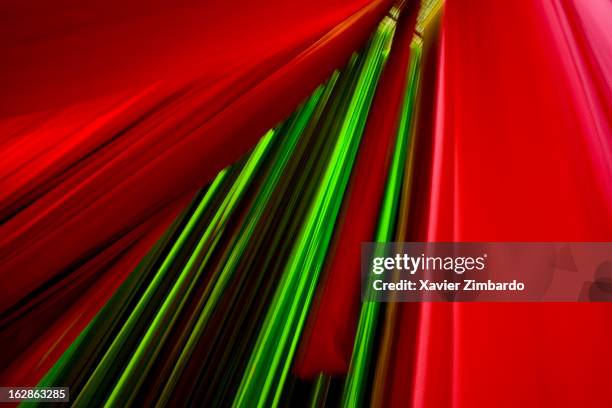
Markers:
154,338
355,383
85,397
257,209
276,344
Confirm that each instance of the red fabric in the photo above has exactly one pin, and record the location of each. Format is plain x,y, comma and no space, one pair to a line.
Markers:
112,114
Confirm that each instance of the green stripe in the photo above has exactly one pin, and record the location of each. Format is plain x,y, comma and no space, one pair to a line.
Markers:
268,366
356,381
